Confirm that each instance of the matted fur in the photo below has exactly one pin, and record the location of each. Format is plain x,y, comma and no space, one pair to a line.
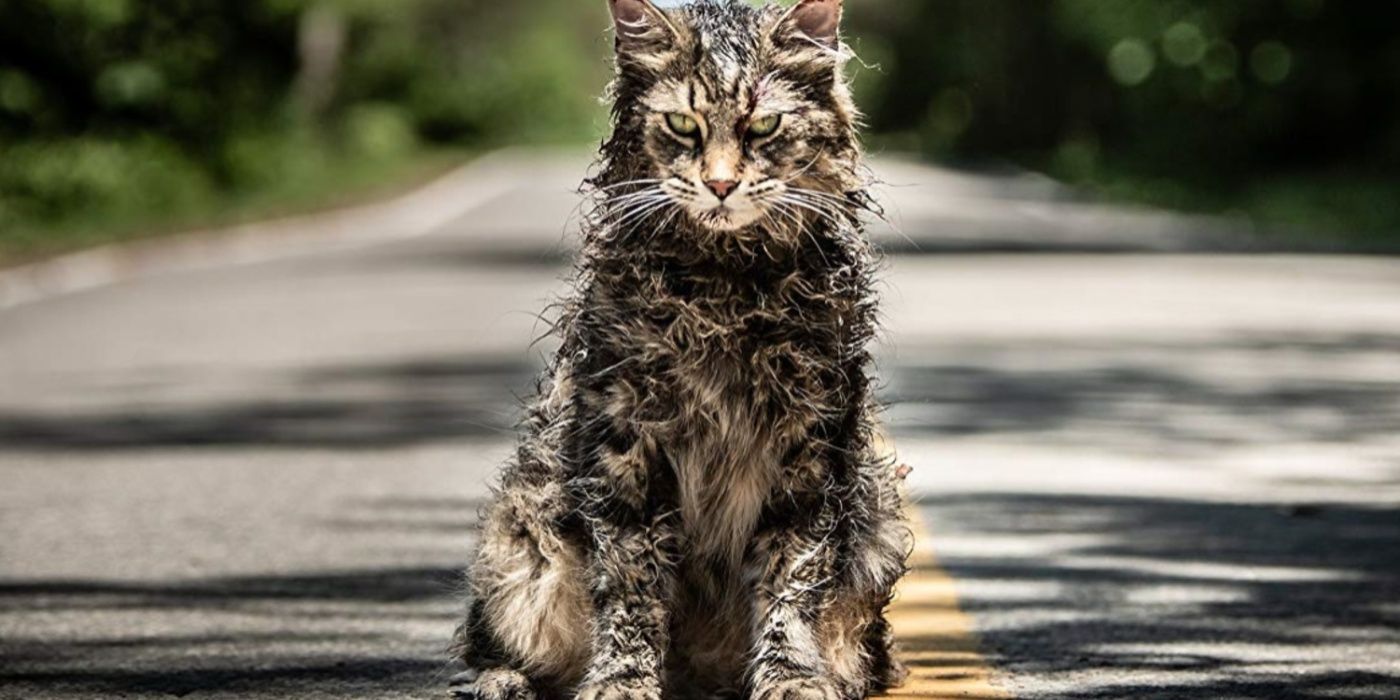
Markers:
696,506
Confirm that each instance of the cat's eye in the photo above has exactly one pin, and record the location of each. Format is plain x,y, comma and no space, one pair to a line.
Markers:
682,124
763,127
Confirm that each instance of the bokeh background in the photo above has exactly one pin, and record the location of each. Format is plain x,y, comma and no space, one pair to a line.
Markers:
1141,342
127,117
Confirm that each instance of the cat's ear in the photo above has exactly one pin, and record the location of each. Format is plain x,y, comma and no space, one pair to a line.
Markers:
817,20
639,24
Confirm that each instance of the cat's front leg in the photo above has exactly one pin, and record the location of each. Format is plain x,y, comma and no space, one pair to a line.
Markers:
633,568
796,564
631,591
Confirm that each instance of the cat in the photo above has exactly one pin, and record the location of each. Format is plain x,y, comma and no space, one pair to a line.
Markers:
697,506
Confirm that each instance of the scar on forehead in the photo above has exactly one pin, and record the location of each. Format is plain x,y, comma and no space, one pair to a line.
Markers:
766,93
763,87
760,91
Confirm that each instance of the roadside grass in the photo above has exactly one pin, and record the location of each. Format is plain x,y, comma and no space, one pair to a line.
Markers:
317,182
1322,211
1350,209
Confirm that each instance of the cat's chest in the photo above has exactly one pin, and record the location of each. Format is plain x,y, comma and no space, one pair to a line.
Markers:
726,463
748,344
717,373
729,381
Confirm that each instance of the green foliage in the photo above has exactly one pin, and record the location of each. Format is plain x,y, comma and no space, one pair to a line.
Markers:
138,113
42,181
114,112
1196,103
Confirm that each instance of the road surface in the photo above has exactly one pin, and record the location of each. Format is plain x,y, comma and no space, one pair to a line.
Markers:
251,470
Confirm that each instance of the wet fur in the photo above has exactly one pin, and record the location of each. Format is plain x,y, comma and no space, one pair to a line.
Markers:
696,506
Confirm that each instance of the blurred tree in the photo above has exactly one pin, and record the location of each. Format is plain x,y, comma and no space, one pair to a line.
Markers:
135,110
1191,102
321,47
128,110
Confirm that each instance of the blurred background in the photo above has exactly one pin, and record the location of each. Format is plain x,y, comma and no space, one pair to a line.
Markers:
1141,347
120,117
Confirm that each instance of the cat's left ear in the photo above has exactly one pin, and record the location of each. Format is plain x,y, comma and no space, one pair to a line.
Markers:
818,20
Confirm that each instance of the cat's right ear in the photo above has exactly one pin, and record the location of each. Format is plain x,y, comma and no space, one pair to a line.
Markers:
640,25
818,21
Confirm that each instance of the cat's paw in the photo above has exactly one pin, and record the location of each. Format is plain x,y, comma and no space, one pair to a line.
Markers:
491,684
892,675
811,688
620,690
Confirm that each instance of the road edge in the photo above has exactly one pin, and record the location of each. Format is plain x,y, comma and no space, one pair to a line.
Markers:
407,215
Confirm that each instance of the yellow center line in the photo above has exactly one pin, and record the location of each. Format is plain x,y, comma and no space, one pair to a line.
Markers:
935,636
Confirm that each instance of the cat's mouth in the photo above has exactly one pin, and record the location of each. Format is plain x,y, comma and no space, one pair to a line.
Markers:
726,217
732,212
719,214
720,218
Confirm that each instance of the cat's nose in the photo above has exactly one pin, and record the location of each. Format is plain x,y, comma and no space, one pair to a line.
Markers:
721,188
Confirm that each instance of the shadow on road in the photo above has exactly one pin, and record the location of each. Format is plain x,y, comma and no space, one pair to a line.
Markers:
1145,598
1129,395
1112,598
374,405
1136,598
348,633
373,586
1140,396
256,646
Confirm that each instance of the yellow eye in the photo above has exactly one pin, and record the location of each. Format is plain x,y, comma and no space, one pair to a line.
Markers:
765,126
682,124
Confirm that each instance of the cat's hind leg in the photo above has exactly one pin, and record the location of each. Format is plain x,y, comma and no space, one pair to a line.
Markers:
528,617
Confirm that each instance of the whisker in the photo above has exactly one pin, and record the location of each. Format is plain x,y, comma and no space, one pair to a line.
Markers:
641,213
787,210
634,195
675,211
810,207
624,218
633,215
631,201
825,197
833,209
645,180
863,206
622,204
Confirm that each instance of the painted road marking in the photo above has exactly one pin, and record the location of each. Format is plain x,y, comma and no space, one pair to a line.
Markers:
935,636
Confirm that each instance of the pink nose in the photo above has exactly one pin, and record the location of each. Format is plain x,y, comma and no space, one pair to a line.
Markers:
721,188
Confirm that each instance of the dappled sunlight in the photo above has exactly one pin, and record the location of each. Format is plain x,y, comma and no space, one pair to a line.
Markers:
1205,571
1167,596
1140,347
346,631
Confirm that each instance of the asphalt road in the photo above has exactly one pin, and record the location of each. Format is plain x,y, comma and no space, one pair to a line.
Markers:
251,470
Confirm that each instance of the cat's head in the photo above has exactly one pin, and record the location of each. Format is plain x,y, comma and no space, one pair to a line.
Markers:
738,116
